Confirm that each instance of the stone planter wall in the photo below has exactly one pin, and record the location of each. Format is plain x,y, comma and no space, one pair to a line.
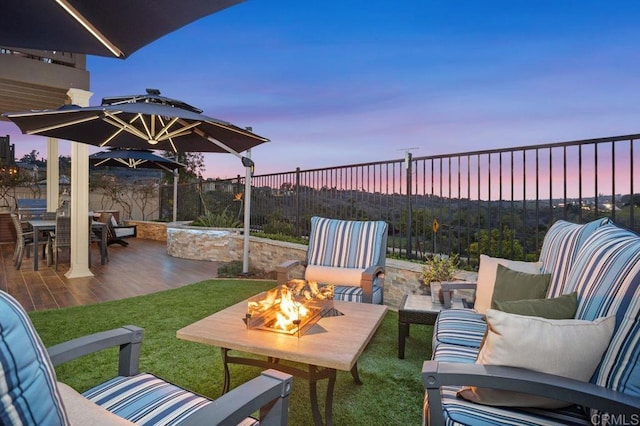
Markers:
149,230
401,277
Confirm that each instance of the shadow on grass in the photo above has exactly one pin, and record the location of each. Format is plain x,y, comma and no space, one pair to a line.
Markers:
391,393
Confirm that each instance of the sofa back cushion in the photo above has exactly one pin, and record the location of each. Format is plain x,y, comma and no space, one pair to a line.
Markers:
559,249
606,277
28,391
347,243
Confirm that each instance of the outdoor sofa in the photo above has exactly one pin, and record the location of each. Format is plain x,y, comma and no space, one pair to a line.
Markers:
567,356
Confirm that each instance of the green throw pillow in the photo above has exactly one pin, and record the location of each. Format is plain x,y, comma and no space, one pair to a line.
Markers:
514,285
562,307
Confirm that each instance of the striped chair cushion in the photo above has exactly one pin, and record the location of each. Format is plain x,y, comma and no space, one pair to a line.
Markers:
346,244
559,249
354,293
463,327
28,391
606,276
146,399
458,411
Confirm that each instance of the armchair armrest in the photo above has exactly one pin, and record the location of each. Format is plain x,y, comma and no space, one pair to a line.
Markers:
268,393
436,374
366,281
447,287
126,231
282,270
129,338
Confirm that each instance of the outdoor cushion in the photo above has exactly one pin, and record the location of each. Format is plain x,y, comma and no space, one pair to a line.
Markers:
562,307
487,277
144,398
346,244
605,275
28,391
354,293
568,348
559,249
513,285
463,327
81,411
333,275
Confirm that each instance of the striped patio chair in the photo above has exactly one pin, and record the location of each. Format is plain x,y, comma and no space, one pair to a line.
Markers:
31,395
350,255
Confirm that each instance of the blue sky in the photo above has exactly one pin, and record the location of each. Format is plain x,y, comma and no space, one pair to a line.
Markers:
350,81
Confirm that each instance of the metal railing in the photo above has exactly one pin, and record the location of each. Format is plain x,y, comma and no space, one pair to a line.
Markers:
498,202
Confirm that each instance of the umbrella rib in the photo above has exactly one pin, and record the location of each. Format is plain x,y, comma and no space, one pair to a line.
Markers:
121,125
238,130
58,126
89,27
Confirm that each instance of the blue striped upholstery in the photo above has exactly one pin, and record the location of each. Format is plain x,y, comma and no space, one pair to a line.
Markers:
464,327
349,244
559,249
606,275
461,412
354,294
28,391
601,262
146,399
346,244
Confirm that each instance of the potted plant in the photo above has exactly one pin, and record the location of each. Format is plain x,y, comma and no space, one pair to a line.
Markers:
439,269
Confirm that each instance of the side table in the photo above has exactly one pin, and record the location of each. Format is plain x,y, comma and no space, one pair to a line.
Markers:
415,309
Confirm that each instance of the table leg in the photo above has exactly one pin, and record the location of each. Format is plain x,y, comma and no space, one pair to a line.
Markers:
355,375
403,332
35,249
313,394
313,374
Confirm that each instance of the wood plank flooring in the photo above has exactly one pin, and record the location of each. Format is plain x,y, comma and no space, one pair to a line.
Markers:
141,268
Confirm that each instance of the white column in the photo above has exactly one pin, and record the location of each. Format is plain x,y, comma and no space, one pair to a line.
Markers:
79,198
53,174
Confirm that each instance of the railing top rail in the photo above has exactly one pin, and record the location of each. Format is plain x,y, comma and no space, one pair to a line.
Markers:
465,154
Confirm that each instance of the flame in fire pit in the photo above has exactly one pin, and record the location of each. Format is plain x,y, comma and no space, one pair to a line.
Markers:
289,307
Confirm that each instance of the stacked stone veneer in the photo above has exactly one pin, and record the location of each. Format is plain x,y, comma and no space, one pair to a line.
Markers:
401,277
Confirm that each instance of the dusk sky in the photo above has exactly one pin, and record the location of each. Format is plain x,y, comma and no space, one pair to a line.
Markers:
350,81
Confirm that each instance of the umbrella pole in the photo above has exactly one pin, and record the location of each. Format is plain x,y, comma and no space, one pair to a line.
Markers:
247,216
175,194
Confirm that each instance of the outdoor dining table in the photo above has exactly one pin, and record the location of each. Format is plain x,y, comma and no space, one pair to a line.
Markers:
50,225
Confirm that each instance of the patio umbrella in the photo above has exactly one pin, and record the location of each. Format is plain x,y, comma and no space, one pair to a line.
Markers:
139,159
114,28
147,121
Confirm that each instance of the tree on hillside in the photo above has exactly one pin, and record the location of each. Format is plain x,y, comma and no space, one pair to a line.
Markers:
194,162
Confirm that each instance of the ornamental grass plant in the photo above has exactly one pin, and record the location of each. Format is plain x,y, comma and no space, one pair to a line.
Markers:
391,393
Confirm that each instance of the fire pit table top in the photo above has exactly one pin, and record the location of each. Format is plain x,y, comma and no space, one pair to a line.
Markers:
334,342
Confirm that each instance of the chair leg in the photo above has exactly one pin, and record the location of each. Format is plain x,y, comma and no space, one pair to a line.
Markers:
18,261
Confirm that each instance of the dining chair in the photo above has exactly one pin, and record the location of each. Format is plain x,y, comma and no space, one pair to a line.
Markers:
58,239
24,241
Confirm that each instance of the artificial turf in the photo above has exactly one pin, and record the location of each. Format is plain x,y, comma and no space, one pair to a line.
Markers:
391,393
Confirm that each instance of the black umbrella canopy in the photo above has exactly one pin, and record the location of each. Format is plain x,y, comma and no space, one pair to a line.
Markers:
105,28
133,158
139,122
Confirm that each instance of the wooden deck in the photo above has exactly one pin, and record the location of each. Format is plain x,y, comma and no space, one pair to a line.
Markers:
141,268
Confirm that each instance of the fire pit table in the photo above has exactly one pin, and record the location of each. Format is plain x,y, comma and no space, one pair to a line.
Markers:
333,343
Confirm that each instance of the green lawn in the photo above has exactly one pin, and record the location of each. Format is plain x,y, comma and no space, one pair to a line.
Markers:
391,393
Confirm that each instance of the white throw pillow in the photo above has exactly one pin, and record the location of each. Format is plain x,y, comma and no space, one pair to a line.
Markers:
333,275
487,277
569,348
